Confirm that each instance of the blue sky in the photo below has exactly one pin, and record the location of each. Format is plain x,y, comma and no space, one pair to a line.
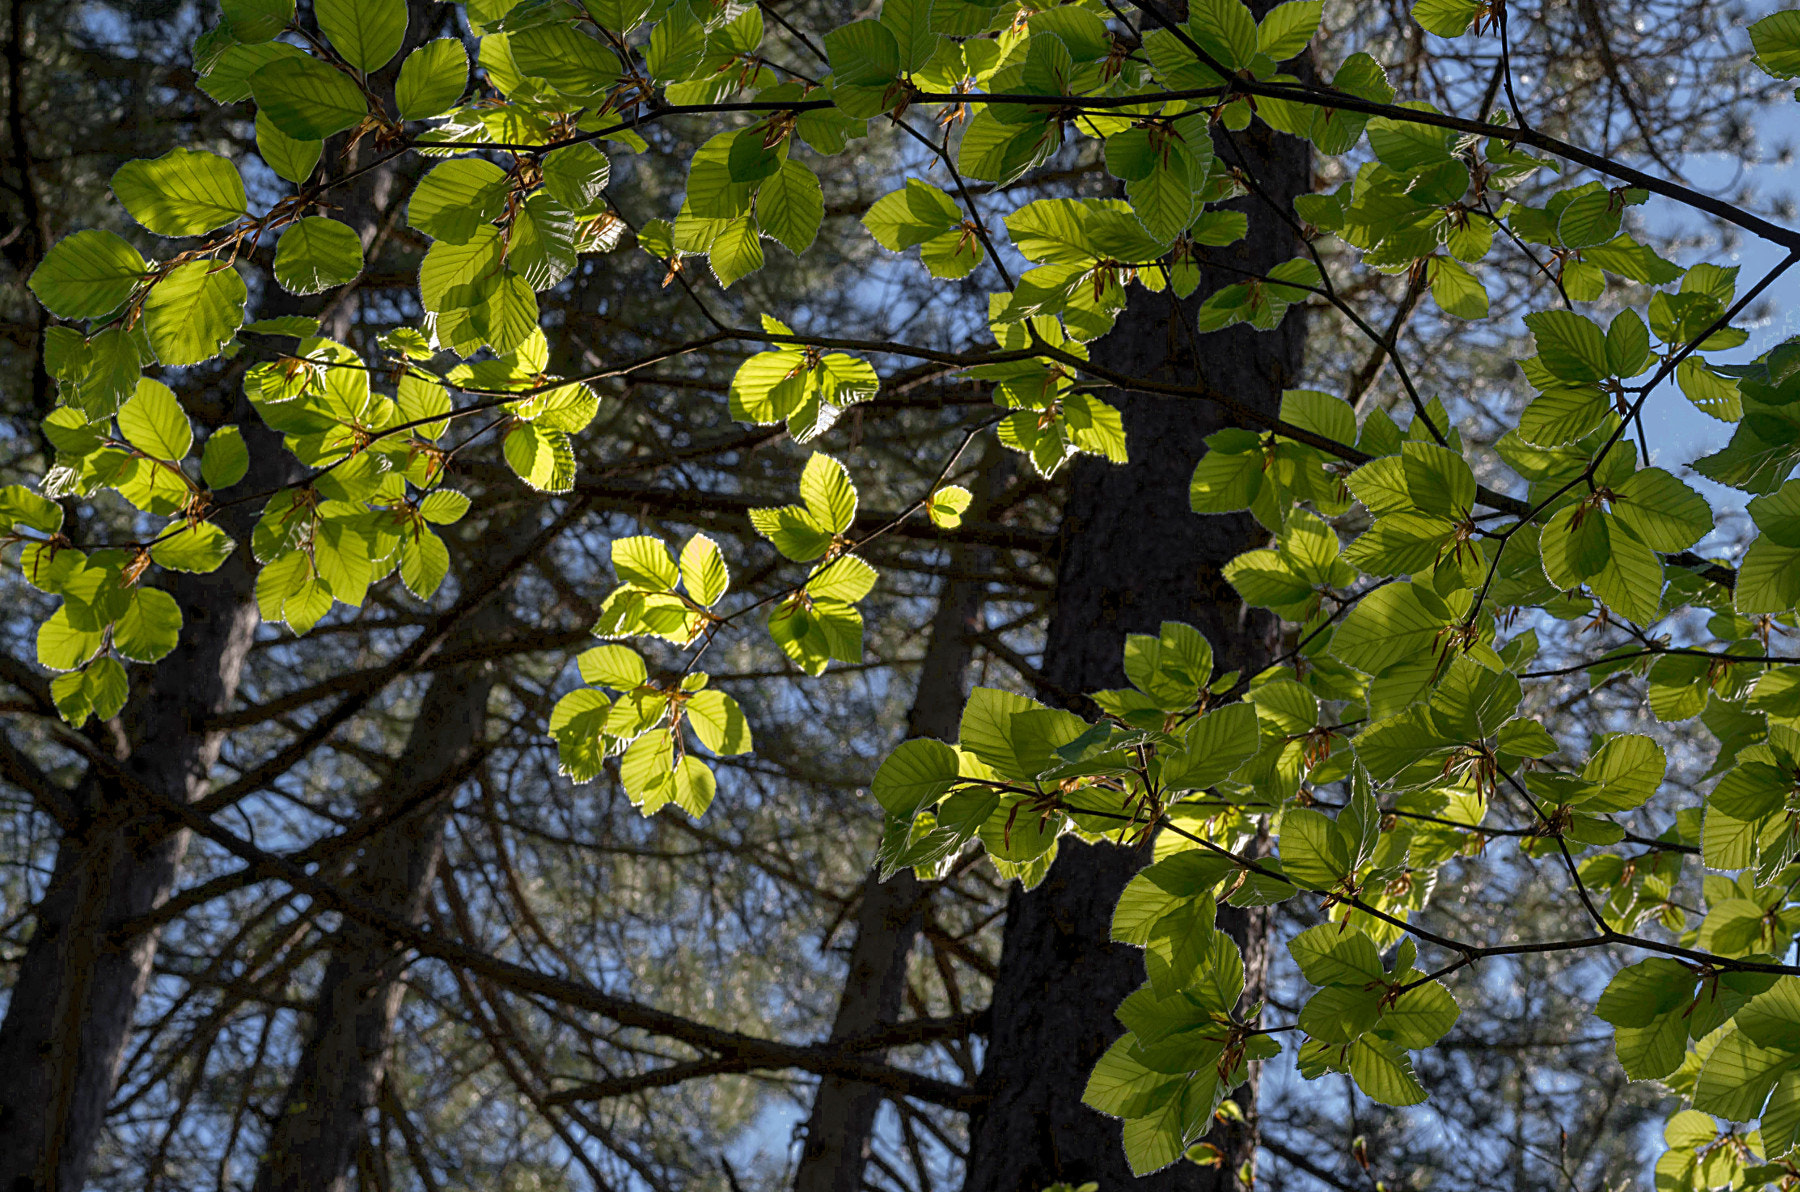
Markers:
1678,432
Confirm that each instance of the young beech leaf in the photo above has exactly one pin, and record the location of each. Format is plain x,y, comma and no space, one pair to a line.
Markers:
368,33
192,312
316,254
252,21
153,422
182,193
87,275
432,79
306,98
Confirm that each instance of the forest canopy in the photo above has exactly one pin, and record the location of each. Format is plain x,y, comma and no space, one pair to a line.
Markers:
682,594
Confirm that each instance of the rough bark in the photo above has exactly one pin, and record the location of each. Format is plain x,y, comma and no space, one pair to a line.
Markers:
323,1119
1132,557
841,1128
71,1009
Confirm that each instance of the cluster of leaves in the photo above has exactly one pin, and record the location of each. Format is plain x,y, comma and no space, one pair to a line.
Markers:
657,597
1406,689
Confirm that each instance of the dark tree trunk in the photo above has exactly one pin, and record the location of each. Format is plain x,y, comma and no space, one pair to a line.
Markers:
1132,557
842,1125
323,1119
71,1009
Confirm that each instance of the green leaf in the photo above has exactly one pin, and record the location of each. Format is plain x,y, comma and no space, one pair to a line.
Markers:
315,254
1456,290
1640,993
192,312
433,79
149,627
830,497
576,722
1772,1018
421,399
153,422
576,176
1780,1120
1446,18
986,729
443,507
643,563
1662,511
910,23
1592,217
368,33
1563,415
1217,744
917,774
87,275
1628,769
694,786
62,645
1288,28
1713,395
1340,1013
618,667
306,98
20,507
946,506
291,159
1225,29
703,570
790,206
541,457
1573,348
647,771
863,54
1122,1086
543,242
737,252
1738,1076
1225,481
846,578
719,722
1390,625
1768,578
182,193
1384,1073
200,547
1420,1017
1631,581
424,562
565,57
1777,41
1334,954
458,199
1313,854
1321,413
252,21
793,530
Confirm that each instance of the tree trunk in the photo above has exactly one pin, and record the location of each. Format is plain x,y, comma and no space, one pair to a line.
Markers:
842,1125
71,1009
1132,557
323,1120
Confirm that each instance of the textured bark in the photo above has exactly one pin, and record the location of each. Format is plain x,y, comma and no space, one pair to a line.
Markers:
1132,557
842,1124
71,1009
322,1123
